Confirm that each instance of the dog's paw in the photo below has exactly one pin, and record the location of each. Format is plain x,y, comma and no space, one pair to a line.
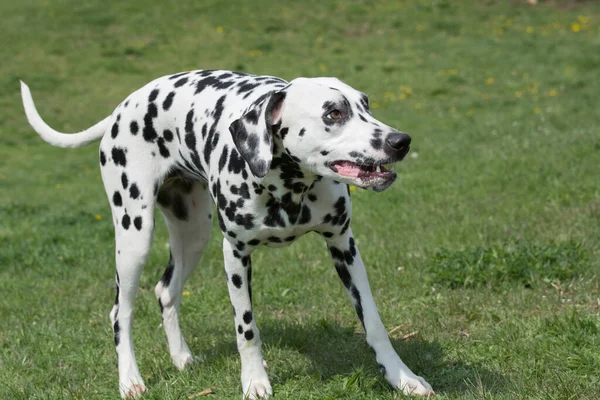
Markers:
413,385
182,360
132,390
257,386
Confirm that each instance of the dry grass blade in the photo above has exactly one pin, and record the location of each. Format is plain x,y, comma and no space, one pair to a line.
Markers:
205,392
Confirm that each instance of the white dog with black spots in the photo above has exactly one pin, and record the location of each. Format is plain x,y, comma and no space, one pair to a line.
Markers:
275,157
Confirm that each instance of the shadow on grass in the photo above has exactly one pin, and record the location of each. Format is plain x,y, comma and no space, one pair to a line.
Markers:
335,352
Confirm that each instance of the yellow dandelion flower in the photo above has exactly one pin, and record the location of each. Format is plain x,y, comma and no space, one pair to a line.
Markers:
219,29
254,53
453,110
58,186
529,29
389,96
323,67
575,27
518,94
418,106
319,39
470,112
553,92
537,110
402,96
375,105
186,293
420,28
489,81
97,217
508,22
352,188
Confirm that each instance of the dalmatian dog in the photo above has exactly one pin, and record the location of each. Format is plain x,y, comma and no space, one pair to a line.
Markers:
275,157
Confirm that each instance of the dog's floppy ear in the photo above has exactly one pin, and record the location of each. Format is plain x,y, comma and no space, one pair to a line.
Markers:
253,132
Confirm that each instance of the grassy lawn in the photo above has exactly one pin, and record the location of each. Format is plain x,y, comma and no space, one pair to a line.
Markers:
483,257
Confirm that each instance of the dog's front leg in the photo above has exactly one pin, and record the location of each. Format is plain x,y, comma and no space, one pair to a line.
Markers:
351,270
238,266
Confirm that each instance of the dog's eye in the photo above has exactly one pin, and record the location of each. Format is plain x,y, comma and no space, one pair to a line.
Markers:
335,114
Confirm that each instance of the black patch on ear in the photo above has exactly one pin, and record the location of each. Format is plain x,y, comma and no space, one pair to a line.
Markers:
252,117
247,135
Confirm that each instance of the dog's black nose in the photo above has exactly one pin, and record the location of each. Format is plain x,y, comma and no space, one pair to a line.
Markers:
397,144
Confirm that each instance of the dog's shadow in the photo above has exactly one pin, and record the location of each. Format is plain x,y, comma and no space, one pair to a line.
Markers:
327,351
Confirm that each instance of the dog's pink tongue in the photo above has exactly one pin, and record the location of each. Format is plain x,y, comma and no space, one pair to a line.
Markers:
348,169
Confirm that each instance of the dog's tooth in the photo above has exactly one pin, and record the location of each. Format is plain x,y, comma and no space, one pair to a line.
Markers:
378,169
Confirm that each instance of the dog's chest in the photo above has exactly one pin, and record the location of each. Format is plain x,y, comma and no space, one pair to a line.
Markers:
275,217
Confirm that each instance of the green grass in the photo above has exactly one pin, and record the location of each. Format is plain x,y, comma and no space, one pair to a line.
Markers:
488,245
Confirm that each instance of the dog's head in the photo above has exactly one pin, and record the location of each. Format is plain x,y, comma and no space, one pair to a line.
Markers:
325,126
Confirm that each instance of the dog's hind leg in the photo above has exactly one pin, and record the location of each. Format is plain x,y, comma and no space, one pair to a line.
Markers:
132,199
188,212
133,236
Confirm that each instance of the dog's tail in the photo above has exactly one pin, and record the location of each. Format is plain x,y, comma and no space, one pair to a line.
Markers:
56,138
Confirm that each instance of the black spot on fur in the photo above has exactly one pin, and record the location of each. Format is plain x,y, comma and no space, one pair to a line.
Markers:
180,82
168,135
254,242
305,216
377,143
134,127
134,192
240,329
247,317
149,132
249,335
344,274
223,158
162,148
168,102
283,133
153,95
126,221
124,180
115,129
102,158
302,131
116,330
137,222
236,162
236,280
118,156
173,77
117,200
168,274
252,116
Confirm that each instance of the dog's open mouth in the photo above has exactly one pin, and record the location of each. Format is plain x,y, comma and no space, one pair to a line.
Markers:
363,172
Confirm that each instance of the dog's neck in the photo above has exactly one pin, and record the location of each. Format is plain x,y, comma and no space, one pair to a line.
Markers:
292,182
